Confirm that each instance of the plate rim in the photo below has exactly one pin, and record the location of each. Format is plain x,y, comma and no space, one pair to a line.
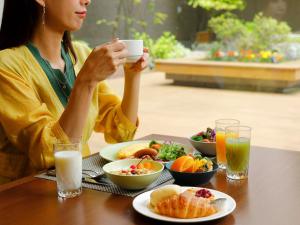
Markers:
124,144
178,220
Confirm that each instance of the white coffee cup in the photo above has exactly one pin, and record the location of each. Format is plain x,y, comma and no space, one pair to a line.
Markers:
135,50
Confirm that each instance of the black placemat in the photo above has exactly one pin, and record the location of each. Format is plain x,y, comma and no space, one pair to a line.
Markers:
95,163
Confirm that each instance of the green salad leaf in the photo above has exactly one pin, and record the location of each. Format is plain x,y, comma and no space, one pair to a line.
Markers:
152,143
171,151
198,155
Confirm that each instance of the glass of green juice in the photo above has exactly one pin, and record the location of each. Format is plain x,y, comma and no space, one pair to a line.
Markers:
237,142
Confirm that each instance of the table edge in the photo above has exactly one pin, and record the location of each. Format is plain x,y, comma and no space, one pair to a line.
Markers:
31,178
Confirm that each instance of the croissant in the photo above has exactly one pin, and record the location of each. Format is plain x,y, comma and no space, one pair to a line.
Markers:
185,205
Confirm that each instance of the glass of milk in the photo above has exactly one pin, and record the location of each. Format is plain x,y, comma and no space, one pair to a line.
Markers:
68,164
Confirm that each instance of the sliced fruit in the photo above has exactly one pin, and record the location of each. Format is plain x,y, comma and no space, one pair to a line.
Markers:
145,165
183,164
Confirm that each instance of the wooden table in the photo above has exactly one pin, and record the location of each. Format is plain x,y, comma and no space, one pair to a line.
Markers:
271,195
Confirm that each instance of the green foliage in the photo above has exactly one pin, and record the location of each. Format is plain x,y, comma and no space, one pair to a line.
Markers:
130,17
260,34
228,28
164,47
159,18
148,41
218,4
168,47
113,23
268,31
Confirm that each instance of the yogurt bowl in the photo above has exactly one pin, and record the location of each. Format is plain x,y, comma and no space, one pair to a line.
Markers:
133,174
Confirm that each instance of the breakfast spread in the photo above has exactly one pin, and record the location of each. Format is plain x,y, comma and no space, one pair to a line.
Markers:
166,151
191,203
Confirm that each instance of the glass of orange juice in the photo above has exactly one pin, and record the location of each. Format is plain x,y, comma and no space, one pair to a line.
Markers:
221,124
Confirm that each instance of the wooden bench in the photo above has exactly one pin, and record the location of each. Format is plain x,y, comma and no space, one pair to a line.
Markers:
237,75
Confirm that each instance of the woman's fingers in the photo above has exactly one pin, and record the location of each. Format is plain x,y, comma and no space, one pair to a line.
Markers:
122,61
117,46
120,55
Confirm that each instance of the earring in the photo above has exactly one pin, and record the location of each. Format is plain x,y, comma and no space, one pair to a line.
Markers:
43,15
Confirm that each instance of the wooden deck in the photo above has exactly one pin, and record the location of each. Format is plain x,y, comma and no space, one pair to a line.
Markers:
165,108
259,76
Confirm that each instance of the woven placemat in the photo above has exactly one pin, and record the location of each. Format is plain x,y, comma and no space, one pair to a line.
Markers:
95,163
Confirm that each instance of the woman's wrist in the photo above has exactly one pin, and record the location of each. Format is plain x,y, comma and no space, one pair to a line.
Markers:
83,87
85,81
130,75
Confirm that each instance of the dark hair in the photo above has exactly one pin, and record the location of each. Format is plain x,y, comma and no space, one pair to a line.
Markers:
19,20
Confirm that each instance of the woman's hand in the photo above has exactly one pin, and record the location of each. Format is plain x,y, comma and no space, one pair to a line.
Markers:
103,61
139,66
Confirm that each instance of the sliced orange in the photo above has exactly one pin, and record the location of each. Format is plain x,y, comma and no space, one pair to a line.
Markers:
190,169
145,165
183,164
148,165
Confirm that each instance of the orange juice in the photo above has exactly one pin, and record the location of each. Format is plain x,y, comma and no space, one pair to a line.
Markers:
221,149
221,125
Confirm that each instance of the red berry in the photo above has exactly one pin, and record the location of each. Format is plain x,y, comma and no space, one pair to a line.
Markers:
200,133
203,193
133,167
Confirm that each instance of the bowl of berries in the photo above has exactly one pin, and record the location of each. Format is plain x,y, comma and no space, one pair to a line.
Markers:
205,141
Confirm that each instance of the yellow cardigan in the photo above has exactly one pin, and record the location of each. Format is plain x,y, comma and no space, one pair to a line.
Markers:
30,110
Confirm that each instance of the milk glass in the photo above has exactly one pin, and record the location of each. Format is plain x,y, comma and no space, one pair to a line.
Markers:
68,164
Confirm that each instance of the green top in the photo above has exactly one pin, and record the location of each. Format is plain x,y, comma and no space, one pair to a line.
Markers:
62,83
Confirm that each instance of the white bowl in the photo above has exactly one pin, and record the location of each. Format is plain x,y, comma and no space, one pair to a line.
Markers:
206,148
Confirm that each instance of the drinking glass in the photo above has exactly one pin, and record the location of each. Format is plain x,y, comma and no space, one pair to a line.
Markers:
68,164
221,124
237,139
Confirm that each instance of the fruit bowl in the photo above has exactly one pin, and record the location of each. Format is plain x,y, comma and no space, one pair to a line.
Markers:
132,181
191,179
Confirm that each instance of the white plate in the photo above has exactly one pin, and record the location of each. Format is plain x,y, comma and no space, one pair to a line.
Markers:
110,152
140,204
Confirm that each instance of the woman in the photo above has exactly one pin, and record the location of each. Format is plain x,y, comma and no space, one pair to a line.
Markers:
52,89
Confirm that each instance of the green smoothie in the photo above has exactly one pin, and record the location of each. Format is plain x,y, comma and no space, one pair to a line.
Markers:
237,154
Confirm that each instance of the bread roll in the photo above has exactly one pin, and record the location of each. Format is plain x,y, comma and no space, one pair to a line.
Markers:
163,193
